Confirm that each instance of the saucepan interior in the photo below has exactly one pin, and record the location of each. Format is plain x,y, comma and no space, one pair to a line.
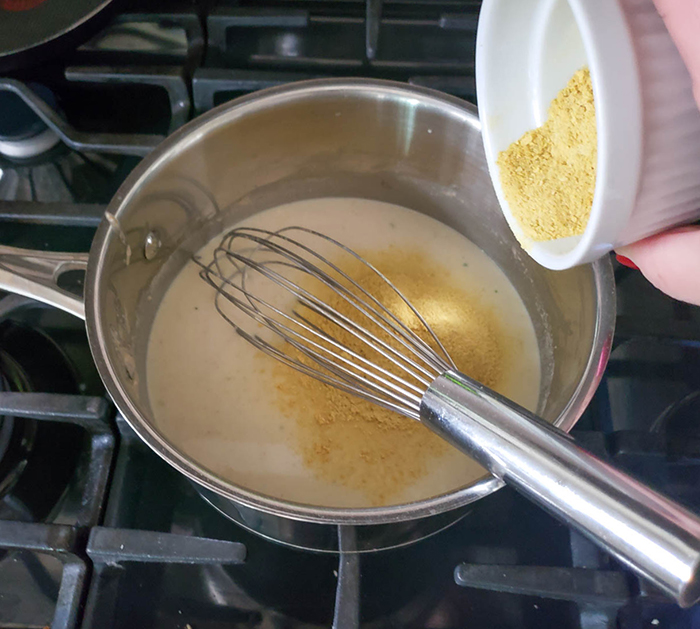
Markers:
369,139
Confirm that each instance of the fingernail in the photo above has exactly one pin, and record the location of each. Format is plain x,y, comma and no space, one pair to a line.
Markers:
625,261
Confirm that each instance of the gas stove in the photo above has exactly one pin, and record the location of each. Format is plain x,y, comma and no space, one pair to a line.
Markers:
96,531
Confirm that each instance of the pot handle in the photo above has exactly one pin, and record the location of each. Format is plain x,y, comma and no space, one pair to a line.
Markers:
35,274
655,536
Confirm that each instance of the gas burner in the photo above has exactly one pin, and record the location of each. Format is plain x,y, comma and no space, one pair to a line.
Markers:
36,166
29,146
60,175
17,437
33,454
23,135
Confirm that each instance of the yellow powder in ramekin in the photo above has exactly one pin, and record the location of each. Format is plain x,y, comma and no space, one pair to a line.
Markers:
548,175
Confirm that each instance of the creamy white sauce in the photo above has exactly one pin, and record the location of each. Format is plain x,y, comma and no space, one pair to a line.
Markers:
210,391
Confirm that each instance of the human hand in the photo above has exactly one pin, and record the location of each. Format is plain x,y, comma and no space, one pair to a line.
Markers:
671,261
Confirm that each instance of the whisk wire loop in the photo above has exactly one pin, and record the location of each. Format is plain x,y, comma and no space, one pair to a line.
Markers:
378,357
384,317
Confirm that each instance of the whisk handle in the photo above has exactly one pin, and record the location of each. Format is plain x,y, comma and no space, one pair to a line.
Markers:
653,535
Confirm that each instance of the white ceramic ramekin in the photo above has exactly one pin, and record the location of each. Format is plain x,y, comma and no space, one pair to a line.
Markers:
648,171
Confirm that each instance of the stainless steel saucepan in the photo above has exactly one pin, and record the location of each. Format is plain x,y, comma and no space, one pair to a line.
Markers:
361,138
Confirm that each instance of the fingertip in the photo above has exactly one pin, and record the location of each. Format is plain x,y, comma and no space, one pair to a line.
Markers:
670,261
625,261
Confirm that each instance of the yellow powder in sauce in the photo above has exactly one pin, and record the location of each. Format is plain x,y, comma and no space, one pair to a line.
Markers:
357,444
548,175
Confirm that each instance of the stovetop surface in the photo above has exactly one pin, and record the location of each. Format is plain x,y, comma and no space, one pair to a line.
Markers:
96,531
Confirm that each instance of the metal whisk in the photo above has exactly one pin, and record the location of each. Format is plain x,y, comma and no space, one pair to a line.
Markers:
248,256
292,294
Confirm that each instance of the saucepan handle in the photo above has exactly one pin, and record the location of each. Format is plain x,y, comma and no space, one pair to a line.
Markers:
35,274
650,533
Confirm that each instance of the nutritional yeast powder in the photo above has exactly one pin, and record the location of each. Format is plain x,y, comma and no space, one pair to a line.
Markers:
356,444
548,175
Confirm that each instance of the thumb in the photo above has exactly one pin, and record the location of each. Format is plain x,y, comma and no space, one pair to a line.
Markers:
670,261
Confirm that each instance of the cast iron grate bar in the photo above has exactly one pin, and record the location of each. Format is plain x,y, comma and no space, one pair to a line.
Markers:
90,414
189,21
54,213
137,144
111,545
461,86
87,412
285,36
581,585
346,614
171,79
373,16
208,82
61,542
221,19
459,22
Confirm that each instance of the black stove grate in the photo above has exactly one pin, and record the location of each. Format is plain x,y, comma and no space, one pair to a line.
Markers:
61,538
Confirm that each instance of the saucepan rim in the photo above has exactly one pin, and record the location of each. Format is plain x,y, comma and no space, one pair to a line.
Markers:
191,133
